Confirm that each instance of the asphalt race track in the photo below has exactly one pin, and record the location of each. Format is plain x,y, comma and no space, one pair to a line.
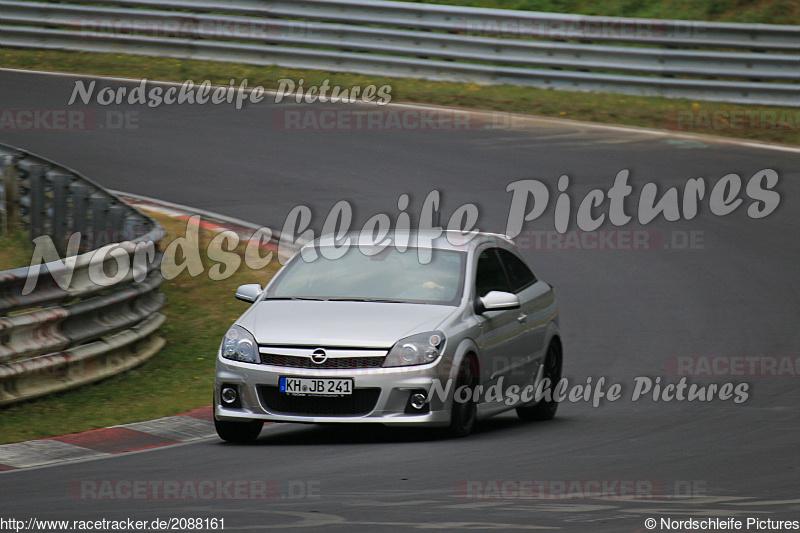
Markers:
625,313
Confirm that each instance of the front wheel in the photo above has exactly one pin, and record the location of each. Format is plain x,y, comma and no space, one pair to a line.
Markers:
546,410
238,431
464,413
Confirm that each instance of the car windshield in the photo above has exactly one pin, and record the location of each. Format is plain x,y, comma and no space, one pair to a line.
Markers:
389,275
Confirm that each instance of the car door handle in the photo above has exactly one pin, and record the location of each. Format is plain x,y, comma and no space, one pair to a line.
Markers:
522,318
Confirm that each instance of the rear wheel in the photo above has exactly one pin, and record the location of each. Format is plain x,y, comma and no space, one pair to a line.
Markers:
546,410
464,414
238,431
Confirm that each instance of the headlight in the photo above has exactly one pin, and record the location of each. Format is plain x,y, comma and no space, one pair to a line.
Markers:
416,350
239,345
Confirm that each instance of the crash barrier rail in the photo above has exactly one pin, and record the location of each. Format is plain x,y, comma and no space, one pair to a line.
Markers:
741,63
73,321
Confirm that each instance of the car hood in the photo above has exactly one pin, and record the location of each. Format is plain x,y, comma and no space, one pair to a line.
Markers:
325,323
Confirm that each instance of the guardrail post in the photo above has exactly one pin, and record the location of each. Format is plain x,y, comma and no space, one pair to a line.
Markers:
37,197
116,214
80,213
99,206
61,184
11,194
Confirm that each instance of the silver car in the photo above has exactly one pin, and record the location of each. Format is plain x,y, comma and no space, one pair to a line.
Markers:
420,329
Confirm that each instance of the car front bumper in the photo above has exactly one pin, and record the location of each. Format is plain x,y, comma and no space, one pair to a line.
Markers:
380,395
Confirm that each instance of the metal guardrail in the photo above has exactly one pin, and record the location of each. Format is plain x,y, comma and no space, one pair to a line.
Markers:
57,334
744,63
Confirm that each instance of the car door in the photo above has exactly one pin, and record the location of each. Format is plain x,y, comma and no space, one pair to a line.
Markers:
501,340
536,302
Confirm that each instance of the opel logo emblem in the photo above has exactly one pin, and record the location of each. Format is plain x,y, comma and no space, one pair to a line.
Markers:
319,356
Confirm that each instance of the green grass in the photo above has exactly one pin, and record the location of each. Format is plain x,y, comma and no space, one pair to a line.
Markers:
178,379
763,11
15,250
651,112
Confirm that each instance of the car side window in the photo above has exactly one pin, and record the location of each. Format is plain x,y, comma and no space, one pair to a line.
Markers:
490,275
521,276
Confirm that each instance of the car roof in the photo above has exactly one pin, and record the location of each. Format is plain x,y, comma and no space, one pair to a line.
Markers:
440,240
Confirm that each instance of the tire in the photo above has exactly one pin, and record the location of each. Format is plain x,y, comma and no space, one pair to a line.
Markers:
464,415
545,410
238,431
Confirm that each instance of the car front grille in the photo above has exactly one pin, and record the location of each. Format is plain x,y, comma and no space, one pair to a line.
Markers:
306,362
361,402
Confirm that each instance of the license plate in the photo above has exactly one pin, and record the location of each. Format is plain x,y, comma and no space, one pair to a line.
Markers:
317,386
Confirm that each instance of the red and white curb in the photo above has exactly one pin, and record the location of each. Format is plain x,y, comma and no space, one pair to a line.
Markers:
167,431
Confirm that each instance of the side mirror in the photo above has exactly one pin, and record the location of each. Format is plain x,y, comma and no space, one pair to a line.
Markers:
498,301
249,292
